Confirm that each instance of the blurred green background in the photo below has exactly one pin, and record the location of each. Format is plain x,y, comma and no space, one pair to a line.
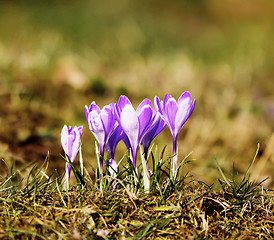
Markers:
58,56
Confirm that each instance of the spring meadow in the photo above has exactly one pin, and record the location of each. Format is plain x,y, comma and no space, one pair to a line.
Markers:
136,120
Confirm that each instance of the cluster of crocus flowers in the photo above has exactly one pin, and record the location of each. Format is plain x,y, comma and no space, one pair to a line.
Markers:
120,121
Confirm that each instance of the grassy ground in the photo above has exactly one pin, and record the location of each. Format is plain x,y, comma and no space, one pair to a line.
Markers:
212,216
37,207
57,57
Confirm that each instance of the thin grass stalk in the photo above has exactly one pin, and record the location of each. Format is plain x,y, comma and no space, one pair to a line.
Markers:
7,180
253,160
222,173
181,165
99,169
60,194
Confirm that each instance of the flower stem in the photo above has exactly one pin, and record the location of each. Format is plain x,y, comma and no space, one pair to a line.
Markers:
145,172
134,157
101,159
67,176
113,171
175,158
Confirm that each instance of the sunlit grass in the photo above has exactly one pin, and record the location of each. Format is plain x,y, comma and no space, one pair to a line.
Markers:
35,204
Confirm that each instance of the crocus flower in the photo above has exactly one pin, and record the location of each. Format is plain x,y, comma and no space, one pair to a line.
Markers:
175,114
134,123
101,123
70,140
157,126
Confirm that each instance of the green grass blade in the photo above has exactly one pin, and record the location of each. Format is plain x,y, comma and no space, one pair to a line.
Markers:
221,171
253,160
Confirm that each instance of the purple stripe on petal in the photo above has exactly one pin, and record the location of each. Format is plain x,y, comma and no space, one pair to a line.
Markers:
166,98
80,130
193,106
86,112
158,105
94,107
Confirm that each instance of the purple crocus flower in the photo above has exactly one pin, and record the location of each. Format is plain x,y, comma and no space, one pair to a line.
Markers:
175,114
102,124
158,126
134,123
70,140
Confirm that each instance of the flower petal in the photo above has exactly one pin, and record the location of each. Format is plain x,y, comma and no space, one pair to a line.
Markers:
184,96
160,127
64,139
80,130
183,113
145,102
166,98
86,112
113,140
97,128
76,143
130,125
123,101
158,105
126,141
145,120
193,106
171,109
118,107
71,139
108,121
92,107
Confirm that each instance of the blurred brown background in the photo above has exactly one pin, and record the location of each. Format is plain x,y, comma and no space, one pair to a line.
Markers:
58,56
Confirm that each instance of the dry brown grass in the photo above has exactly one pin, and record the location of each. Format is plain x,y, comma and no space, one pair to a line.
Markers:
95,215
